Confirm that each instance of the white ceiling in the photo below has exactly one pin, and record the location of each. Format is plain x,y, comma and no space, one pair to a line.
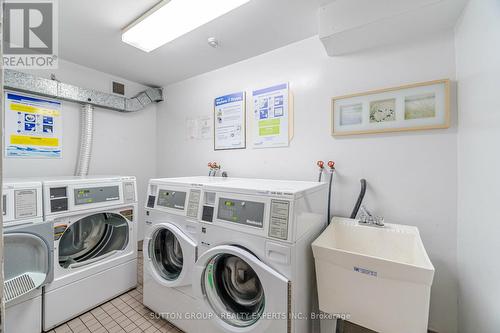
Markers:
90,35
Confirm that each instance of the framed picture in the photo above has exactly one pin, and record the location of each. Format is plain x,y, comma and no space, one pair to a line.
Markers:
419,106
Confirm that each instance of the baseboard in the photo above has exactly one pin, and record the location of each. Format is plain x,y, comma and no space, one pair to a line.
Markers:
348,327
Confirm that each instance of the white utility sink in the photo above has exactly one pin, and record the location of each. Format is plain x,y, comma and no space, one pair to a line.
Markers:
380,277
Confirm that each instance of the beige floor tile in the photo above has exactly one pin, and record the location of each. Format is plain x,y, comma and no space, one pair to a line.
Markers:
123,314
80,329
64,328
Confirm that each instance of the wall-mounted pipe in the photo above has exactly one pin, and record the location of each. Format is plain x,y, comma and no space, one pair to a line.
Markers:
86,132
19,81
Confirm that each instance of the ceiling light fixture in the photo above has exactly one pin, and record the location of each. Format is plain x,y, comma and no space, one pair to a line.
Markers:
171,19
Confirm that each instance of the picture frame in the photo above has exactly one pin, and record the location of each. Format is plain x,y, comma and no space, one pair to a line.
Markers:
412,107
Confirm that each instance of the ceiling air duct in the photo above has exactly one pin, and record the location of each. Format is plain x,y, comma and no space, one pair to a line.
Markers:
27,83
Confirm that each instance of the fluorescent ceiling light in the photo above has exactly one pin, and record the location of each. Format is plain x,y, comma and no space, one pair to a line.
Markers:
171,19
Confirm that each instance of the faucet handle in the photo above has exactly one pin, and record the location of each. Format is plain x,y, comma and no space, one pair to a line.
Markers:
379,220
366,217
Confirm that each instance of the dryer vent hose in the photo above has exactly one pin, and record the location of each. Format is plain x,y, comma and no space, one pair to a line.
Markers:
86,132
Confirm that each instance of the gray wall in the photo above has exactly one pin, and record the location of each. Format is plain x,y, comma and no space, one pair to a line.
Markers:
478,71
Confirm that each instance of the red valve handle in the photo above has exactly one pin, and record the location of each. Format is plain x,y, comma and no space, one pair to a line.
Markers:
320,164
331,164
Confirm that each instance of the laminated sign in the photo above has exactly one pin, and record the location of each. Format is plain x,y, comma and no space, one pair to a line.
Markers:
229,121
33,127
270,119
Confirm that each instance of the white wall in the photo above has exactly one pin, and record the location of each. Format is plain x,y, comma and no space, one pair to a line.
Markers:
412,176
123,143
478,71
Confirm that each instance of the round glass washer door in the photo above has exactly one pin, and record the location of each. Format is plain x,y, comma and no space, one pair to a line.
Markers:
233,290
92,238
166,254
171,254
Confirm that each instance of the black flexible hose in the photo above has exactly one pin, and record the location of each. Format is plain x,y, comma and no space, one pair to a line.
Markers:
330,195
360,199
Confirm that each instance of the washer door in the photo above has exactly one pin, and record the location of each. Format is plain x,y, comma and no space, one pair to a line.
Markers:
170,254
243,293
93,238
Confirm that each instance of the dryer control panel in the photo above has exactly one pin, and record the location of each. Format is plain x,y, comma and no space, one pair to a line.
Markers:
76,193
90,195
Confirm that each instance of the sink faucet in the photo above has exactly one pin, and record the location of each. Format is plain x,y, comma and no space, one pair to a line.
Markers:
365,217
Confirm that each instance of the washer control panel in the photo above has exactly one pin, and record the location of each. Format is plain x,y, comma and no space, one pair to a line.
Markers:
249,213
207,214
171,199
193,203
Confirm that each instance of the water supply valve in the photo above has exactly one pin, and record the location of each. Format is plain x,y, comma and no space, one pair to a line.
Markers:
214,167
321,166
211,168
331,165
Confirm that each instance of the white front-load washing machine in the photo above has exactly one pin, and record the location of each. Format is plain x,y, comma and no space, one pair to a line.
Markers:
255,270
27,252
95,243
170,247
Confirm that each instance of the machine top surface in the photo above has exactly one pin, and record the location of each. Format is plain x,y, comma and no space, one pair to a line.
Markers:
86,179
21,183
196,180
245,184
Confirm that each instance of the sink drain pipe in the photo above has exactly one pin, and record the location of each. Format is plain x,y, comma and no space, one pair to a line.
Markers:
86,133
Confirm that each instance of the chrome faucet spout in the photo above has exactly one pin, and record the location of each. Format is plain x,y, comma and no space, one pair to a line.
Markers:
366,217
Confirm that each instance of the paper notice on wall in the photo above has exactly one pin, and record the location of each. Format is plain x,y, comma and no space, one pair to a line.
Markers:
33,127
270,118
229,121
199,128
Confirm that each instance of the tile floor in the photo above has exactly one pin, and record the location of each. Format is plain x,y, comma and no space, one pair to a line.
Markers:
125,313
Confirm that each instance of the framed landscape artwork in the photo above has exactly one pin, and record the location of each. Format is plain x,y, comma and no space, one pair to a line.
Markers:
418,106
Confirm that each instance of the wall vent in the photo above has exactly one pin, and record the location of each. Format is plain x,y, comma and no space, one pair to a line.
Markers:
118,88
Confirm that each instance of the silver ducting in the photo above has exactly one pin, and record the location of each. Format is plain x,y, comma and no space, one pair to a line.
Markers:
86,133
27,83
19,81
